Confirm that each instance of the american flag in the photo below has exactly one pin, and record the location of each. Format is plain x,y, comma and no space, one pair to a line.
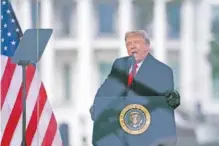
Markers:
42,128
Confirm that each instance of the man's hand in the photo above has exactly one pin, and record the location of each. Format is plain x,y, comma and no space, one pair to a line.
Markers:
173,99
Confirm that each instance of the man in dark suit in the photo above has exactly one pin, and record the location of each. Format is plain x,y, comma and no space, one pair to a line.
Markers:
149,77
139,73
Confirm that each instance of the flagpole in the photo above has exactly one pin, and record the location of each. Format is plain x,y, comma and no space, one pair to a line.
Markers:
24,94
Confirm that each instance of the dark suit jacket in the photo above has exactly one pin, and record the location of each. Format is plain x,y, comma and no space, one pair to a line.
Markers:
153,78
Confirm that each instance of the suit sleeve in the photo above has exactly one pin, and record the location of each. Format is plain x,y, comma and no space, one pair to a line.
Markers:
171,80
104,89
168,80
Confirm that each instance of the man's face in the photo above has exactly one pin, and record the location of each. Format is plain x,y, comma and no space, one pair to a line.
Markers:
136,44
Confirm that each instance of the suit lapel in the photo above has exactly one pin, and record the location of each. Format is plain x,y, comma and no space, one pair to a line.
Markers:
144,68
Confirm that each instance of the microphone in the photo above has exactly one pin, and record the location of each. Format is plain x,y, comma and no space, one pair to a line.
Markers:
133,58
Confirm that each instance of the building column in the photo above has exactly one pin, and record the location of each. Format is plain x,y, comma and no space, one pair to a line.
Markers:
25,11
187,54
125,23
159,44
47,60
84,69
204,78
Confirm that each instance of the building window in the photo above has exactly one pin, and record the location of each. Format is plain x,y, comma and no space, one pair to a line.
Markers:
104,61
215,21
64,132
67,80
106,13
216,87
65,22
173,62
173,18
214,62
104,70
215,50
64,73
143,15
35,13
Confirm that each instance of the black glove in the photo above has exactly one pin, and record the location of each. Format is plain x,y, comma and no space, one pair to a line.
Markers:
173,99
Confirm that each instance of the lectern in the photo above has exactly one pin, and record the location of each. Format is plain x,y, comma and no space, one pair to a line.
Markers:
133,121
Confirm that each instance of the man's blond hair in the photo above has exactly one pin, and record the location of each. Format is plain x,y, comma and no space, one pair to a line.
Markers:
138,32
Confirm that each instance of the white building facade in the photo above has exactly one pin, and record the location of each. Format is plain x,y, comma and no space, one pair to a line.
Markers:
89,35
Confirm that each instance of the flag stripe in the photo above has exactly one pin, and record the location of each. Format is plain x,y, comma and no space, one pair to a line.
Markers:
31,100
4,60
16,112
8,131
38,108
50,132
17,134
13,92
57,139
43,124
6,80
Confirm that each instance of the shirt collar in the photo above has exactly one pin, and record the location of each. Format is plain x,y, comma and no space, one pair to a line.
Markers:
139,64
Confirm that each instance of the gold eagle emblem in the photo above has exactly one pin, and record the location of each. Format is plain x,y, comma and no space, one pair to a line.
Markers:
135,119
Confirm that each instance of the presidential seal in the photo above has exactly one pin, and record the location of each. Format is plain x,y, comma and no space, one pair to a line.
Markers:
135,119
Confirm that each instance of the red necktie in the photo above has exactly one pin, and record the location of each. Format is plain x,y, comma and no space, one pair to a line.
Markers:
132,74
